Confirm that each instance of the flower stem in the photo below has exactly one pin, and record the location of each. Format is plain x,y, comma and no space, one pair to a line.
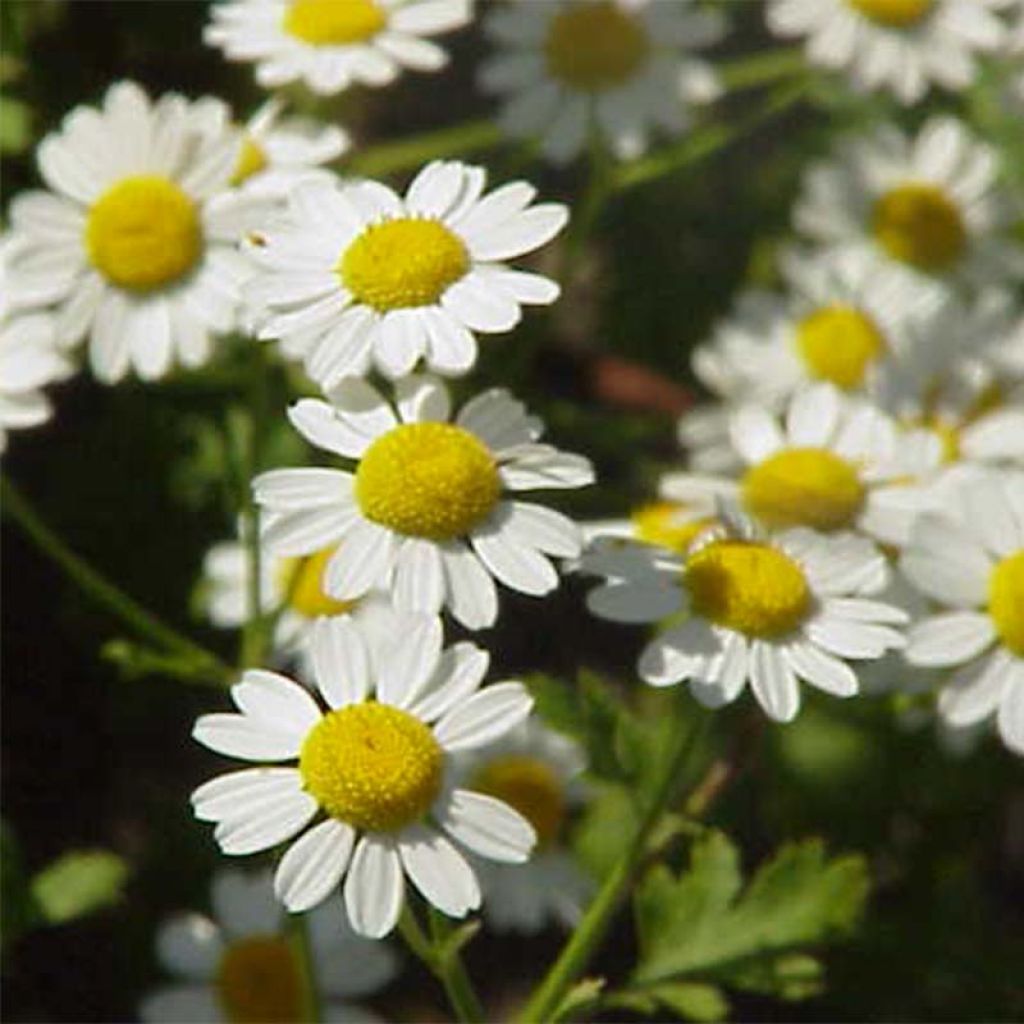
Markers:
590,932
456,140
302,948
204,667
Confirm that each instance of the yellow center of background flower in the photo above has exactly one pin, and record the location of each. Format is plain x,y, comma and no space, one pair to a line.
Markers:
431,480
402,263
667,524
373,766
947,433
252,159
301,580
258,982
1006,601
894,13
143,233
333,22
803,487
749,588
838,344
529,786
919,225
595,46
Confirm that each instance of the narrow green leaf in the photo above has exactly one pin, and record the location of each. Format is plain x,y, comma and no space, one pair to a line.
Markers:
78,883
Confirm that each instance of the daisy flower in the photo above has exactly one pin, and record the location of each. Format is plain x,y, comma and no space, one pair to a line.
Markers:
970,561
423,513
276,152
536,771
930,205
745,607
899,45
834,464
239,964
353,275
373,766
136,242
620,67
332,44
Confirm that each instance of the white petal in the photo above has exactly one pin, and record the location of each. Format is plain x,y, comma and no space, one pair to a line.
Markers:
499,420
812,417
340,661
313,865
459,672
331,429
401,340
246,738
419,577
245,792
487,826
946,564
439,871
1011,712
538,466
365,561
949,639
517,567
484,717
472,596
632,603
541,528
422,397
302,488
277,701
755,434
480,305
276,823
851,639
417,648
374,888
976,690
821,669
773,682
304,533
678,653
519,234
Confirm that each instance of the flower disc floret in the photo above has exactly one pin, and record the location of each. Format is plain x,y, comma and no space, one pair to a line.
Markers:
433,480
894,13
838,344
531,787
373,766
333,22
403,263
143,233
1006,601
918,224
258,982
804,487
595,46
302,581
747,587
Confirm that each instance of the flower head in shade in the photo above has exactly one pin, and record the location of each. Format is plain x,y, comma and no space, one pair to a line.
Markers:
239,963
536,771
931,205
136,242
368,759
899,45
423,514
356,276
332,44
743,607
970,561
668,524
833,464
624,67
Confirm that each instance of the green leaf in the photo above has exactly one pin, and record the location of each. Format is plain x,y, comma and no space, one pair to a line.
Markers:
692,1000
78,883
700,923
15,125
581,996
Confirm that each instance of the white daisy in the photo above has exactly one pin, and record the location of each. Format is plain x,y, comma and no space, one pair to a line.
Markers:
930,205
332,44
373,765
770,611
276,152
622,67
899,45
835,463
239,964
354,276
970,560
536,771
136,243
423,514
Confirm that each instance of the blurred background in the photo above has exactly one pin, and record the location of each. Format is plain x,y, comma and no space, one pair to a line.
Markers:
140,480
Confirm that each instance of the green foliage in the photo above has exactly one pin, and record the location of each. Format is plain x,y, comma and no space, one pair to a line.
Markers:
78,883
705,924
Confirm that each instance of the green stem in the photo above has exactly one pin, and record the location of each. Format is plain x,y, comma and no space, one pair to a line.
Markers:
445,965
302,948
761,68
457,140
207,667
590,932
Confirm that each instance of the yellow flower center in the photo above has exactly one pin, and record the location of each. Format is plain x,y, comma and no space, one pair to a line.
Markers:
803,487
667,524
746,587
373,766
301,579
529,786
894,13
402,263
430,480
1006,601
333,22
838,344
251,160
918,224
258,982
143,233
593,46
